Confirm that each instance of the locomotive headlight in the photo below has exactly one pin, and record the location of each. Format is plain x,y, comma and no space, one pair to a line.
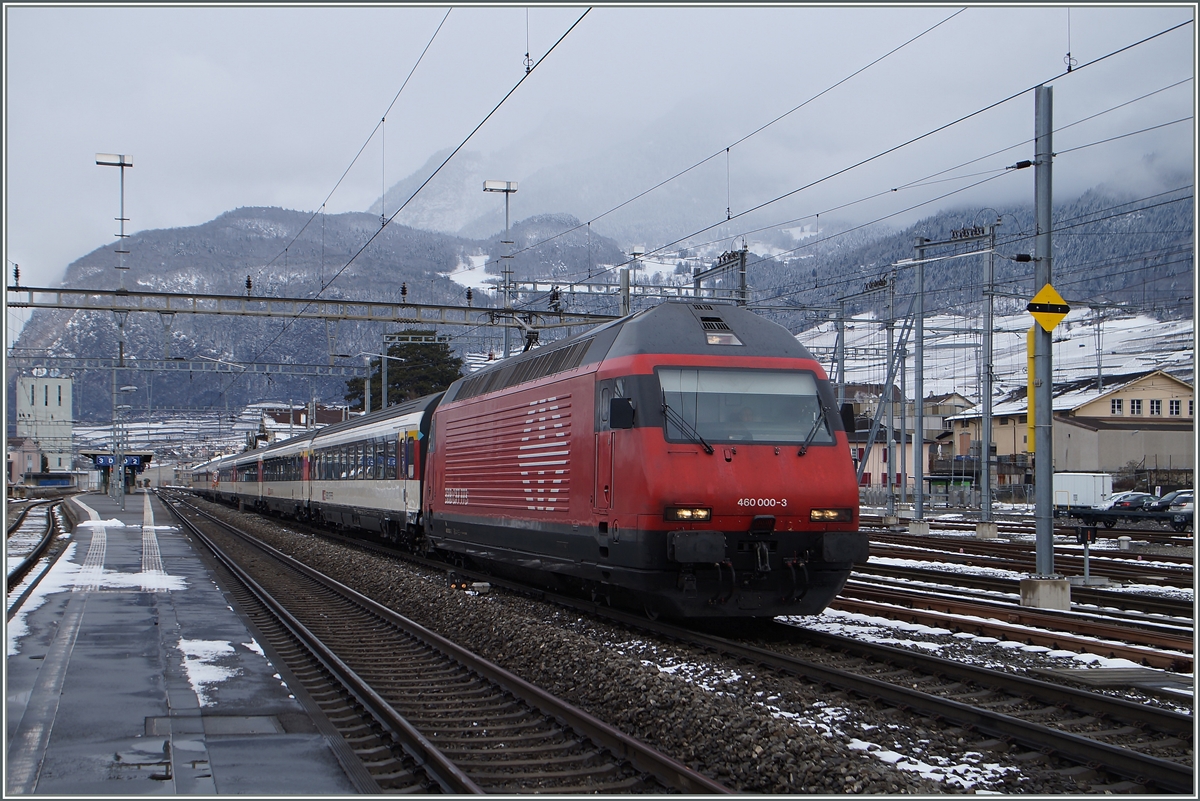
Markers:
830,515
689,514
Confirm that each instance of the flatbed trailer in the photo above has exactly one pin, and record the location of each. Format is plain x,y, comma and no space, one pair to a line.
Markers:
1179,521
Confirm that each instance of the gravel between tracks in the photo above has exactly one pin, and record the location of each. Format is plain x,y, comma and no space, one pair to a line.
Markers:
756,733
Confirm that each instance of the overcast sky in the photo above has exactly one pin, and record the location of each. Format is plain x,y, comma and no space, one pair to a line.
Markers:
228,107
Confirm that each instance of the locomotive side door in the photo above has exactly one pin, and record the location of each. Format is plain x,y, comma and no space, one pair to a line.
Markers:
604,476
603,489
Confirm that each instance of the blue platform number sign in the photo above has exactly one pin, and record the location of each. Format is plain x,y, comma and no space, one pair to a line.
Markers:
133,461
105,461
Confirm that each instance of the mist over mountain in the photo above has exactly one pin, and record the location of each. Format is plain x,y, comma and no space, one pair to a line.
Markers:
1136,255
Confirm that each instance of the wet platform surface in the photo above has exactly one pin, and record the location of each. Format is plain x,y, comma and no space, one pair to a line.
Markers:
128,673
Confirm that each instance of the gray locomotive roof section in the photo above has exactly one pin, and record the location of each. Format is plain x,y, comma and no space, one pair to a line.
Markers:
676,327
669,327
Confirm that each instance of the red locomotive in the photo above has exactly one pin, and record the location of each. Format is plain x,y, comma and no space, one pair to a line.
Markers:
688,459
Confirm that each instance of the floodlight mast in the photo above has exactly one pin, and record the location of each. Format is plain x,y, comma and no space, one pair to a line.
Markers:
507,187
122,161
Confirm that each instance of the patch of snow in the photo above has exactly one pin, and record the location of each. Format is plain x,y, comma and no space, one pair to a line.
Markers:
200,658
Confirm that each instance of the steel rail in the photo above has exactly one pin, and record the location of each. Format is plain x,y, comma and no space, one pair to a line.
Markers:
1141,572
16,524
1130,620
1156,718
1011,613
1140,768
988,627
1022,548
439,767
31,558
1137,767
669,771
1089,595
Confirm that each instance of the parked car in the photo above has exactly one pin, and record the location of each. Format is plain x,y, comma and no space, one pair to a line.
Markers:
1184,500
1181,515
1170,499
1134,501
1112,499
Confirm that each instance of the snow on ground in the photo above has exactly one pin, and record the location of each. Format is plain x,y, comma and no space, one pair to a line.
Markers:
474,275
201,660
953,344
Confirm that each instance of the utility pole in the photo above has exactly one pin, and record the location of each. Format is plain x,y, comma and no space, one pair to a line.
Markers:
888,453
919,393
840,354
986,528
1044,589
507,187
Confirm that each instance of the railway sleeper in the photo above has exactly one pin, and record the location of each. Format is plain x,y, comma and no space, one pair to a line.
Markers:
1040,713
432,704
1122,731
1118,787
575,743
586,761
542,776
1080,774
457,690
511,711
613,787
467,734
405,775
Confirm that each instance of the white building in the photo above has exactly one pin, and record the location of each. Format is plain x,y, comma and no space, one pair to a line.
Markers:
45,416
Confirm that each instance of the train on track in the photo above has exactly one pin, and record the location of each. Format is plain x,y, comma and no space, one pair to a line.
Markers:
688,460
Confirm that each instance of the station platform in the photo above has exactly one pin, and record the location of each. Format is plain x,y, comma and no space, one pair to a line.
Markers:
128,673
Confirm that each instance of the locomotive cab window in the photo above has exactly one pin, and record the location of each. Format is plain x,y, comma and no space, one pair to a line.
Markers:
774,406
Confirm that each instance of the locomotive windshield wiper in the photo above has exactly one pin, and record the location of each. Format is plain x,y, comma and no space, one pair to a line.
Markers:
674,417
816,424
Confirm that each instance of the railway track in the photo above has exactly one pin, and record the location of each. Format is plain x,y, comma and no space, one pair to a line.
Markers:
476,727
1144,751
1168,573
17,521
27,542
1020,549
1137,747
1027,529
1110,757
1133,603
1168,648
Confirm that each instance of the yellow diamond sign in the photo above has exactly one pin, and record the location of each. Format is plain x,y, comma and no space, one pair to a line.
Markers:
1048,308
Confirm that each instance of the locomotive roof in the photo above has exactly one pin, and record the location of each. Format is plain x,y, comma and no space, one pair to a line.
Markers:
669,327
676,327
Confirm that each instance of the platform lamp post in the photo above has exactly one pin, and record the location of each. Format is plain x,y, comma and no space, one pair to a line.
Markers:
367,381
121,161
119,439
507,187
